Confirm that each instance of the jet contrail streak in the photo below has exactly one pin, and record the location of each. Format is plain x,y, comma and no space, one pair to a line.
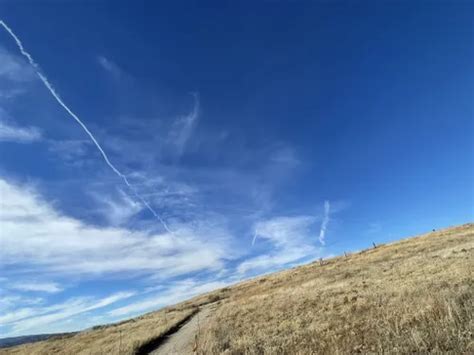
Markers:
254,237
324,223
53,92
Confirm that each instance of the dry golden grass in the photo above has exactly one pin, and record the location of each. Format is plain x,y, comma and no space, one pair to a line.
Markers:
124,338
121,338
413,296
416,295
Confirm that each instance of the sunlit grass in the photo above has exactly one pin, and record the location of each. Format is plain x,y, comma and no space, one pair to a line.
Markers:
413,296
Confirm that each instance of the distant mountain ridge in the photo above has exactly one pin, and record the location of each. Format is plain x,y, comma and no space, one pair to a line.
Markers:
12,341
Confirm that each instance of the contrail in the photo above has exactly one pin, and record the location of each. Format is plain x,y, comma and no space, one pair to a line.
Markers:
53,92
324,223
254,236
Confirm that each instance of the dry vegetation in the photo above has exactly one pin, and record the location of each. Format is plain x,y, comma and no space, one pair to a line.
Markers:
413,296
416,295
121,338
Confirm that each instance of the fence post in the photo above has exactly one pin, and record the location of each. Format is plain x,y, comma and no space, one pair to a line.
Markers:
375,245
120,344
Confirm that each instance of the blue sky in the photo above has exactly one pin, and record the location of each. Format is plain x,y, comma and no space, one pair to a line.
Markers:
263,135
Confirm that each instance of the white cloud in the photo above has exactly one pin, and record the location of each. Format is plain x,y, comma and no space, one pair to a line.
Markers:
325,222
35,235
10,301
69,150
180,291
284,231
290,239
10,93
12,133
119,209
48,287
24,320
14,69
16,315
14,74
275,260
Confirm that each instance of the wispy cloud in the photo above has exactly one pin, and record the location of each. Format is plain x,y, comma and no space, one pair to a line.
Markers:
23,320
15,76
183,128
325,222
290,241
33,286
110,66
119,209
14,69
69,150
11,301
275,260
283,231
33,234
17,134
179,291
68,110
285,155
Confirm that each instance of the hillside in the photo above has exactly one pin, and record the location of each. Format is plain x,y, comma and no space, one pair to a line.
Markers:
8,342
415,295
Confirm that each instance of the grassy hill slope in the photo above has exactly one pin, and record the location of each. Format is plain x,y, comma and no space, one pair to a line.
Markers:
415,295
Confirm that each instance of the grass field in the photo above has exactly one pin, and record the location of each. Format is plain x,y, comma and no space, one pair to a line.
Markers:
415,295
126,337
123,338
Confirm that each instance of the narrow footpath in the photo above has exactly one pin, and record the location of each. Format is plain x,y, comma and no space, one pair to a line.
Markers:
183,342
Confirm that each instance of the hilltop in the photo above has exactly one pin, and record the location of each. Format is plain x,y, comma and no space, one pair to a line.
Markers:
413,295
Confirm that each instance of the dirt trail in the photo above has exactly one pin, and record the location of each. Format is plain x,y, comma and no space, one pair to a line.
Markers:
183,341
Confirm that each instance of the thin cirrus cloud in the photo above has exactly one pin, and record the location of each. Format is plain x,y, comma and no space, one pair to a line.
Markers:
33,286
118,210
290,241
22,321
69,150
110,67
183,127
181,290
17,134
52,317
